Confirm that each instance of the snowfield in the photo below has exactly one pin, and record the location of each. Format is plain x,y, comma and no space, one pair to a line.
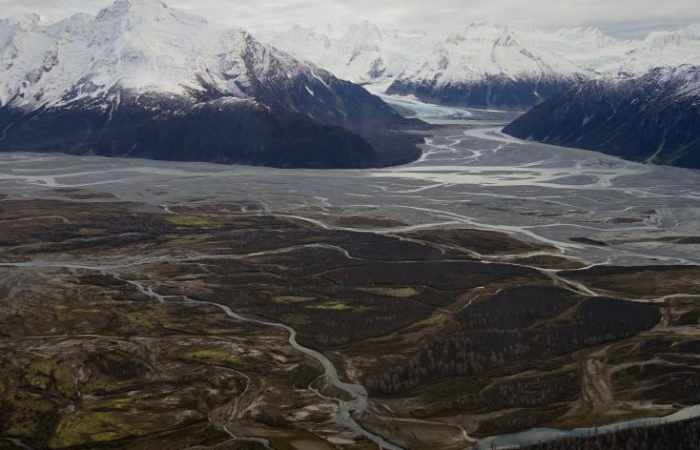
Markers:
365,53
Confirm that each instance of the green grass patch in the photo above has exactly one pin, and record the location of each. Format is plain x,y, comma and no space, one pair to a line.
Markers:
291,300
87,427
215,356
137,320
337,306
192,222
405,292
116,403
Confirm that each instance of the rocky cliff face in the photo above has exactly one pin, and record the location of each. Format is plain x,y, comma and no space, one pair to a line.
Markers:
654,118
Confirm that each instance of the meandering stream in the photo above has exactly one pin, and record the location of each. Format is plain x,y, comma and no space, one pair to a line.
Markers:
348,410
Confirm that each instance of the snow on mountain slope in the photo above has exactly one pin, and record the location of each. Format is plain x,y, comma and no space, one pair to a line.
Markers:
361,53
489,66
138,45
486,64
653,118
662,49
482,65
485,50
140,64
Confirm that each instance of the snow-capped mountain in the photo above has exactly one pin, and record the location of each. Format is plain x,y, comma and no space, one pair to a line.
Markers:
145,79
654,118
362,53
659,49
486,64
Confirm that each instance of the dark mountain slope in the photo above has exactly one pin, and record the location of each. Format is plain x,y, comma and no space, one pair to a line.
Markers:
492,92
655,118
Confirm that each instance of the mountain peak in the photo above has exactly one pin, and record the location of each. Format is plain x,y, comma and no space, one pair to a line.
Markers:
365,30
129,4
141,8
135,46
506,39
23,21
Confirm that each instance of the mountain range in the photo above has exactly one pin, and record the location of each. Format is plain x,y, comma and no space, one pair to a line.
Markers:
484,64
142,79
637,99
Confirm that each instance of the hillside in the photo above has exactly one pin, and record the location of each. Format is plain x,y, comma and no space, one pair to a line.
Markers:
654,118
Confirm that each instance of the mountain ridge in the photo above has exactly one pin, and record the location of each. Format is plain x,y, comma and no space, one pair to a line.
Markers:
485,64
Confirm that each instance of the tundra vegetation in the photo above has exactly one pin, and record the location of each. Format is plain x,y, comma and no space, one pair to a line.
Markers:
106,342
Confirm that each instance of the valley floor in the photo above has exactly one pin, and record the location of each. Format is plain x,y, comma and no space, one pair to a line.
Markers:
491,287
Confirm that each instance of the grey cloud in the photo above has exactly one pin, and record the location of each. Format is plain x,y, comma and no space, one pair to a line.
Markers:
619,16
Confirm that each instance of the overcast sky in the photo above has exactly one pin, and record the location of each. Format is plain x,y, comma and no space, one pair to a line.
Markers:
622,17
